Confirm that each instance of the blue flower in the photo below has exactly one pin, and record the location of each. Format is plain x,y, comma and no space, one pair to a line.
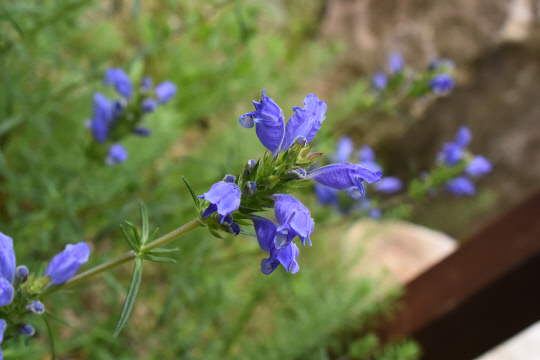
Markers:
165,91
27,330
268,235
379,80
375,213
388,185
149,105
306,122
224,197
478,166
3,326
345,147
142,131
463,137
65,264
326,195
21,273
441,84
451,154
295,219
146,85
232,226
366,159
7,258
36,307
395,63
345,176
120,80
461,186
268,117
6,292
102,117
117,154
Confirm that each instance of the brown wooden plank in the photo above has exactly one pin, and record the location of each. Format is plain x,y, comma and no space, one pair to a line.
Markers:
479,295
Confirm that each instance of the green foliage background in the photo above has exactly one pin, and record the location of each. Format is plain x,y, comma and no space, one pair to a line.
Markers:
214,303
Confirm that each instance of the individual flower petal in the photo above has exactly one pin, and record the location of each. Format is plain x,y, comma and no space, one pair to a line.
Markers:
388,185
7,258
326,195
305,122
395,63
379,80
120,80
65,264
463,137
270,125
461,186
149,105
224,197
345,147
441,84
294,217
344,176
117,154
478,166
36,307
165,91
3,326
6,292
267,235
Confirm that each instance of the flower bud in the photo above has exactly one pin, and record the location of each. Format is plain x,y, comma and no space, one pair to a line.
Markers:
249,188
64,265
27,330
21,273
296,174
229,178
36,307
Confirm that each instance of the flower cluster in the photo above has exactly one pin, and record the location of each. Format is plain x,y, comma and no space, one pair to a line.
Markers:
266,183
475,166
437,79
365,158
113,119
20,290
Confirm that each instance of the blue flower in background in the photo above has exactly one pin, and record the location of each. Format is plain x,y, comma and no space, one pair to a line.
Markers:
326,195
461,186
388,185
345,176
379,80
267,236
345,147
305,122
120,80
478,166
441,84
463,137
117,154
295,219
395,63
142,131
165,91
66,264
102,118
366,158
149,105
146,85
224,197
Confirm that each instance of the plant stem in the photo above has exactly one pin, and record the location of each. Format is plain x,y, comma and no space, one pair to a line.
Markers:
122,259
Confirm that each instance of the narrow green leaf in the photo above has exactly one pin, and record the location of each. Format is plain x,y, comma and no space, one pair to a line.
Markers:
145,230
196,200
135,230
162,250
152,235
247,232
131,296
215,233
57,318
130,241
149,256
51,337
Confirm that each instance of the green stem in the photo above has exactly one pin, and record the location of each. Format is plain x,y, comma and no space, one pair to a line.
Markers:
130,255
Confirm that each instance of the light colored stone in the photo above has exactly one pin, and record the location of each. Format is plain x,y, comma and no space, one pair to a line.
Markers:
524,346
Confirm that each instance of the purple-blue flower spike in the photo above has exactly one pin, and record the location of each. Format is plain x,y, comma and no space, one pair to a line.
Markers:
345,176
102,117
305,122
117,154
478,166
295,219
120,80
270,125
65,264
395,63
441,84
266,231
463,137
165,91
6,292
224,197
461,186
380,80
345,147
388,185
7,258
